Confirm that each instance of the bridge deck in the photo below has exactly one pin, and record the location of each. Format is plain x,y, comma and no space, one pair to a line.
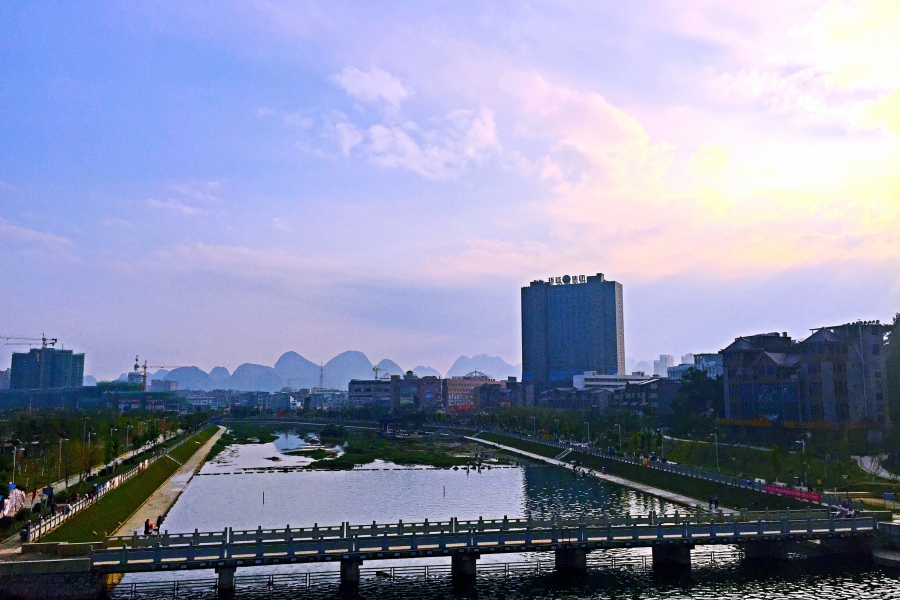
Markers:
405,546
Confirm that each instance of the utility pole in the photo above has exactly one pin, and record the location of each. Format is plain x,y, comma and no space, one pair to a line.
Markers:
716,438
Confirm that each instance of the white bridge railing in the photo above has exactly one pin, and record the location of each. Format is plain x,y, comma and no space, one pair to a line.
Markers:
452,525
400,545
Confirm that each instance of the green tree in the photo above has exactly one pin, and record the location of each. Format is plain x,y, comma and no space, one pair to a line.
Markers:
776,460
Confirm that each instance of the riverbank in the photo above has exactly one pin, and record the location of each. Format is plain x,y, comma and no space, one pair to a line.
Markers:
733,497
113,509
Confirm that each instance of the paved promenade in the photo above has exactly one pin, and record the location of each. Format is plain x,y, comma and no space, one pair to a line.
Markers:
647,489
163,498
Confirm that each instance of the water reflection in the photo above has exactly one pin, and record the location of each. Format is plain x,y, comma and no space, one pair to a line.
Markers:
386,492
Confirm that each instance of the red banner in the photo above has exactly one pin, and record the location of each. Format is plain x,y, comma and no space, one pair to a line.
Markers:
799,494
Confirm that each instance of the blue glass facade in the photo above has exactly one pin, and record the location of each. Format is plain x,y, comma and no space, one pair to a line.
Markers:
570,328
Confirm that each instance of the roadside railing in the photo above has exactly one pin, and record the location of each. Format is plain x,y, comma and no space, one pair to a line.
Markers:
694,472
34,530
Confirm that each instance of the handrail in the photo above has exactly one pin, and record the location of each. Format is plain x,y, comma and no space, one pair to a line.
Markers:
825,498
47,524
527,539
452,525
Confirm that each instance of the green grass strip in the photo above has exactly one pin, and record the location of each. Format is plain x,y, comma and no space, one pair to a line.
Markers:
109,512
700,489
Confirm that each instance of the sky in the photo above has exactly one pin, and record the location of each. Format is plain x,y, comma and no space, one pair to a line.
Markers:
212,183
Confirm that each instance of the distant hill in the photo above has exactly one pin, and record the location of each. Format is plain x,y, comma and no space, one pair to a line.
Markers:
190,378
89,381
492,366
388,367
255,378
219,378
296,371
346,366
421,371
161,374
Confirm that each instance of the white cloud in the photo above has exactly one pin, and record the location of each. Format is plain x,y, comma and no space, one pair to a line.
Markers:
174,205
435,154
348,136
372,85
281,225
24,235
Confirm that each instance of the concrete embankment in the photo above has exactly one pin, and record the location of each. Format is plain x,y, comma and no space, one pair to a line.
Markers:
165,497
62,571
647,489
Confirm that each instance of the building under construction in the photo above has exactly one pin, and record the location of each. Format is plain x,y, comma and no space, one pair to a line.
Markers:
46,368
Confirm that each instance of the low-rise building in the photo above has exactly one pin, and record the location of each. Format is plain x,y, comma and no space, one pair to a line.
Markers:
370,392
4,380
460,392
163,385
711,364
834,377
653,397
411,392
598,381
325,398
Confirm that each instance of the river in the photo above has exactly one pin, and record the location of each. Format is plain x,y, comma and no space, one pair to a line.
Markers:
246,488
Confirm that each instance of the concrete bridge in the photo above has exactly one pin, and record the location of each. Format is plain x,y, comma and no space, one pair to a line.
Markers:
671,538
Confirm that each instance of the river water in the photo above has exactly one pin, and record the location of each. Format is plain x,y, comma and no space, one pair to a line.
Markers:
246,488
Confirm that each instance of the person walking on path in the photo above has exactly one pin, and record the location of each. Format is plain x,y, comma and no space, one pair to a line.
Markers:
159,522
147,527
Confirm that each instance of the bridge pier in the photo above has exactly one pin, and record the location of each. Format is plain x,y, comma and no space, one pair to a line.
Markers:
672,556
571,560
225,587
858,546
462,566
764,550
350,572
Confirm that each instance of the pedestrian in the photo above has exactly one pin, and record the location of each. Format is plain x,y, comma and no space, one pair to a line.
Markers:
716,500
159,522
147,527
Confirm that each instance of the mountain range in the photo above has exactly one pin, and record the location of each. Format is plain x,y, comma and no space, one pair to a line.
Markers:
295,371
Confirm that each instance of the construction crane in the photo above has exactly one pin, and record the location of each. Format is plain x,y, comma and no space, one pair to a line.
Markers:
145,366
376,369
28,341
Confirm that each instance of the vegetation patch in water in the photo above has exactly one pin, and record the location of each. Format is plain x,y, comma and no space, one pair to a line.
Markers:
369,448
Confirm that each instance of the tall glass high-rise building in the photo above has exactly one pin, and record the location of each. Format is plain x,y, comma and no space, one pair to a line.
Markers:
570,325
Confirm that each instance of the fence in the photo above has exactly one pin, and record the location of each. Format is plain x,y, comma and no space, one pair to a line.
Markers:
46,524
730,480
452,525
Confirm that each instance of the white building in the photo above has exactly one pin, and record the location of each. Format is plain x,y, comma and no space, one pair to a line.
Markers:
661,366
596,381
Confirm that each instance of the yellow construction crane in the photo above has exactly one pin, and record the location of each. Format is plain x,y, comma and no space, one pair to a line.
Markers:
145,366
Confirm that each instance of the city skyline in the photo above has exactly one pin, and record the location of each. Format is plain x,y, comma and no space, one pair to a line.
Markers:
218,183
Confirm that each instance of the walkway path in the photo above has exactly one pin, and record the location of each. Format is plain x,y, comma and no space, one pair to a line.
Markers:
647,489
162,499
73,480
872,465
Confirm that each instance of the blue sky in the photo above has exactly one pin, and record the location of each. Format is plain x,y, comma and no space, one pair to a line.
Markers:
216,183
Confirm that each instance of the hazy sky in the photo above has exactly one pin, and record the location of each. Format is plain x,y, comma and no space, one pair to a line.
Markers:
213,183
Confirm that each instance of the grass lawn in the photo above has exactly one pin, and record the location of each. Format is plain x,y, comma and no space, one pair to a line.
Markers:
106,515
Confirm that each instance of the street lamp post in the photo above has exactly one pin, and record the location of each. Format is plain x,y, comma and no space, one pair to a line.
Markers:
716,438
619,428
